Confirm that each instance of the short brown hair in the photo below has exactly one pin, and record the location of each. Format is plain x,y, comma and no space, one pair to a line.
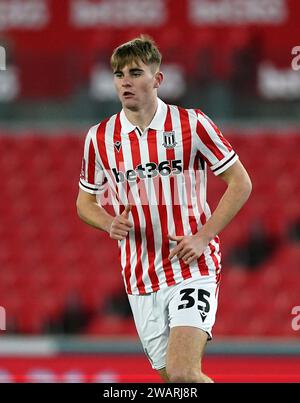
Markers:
141,48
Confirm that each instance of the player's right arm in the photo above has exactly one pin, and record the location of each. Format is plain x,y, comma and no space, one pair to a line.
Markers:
92,182
93,214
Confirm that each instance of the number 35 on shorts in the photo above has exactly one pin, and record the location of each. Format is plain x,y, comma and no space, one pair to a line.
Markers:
190,296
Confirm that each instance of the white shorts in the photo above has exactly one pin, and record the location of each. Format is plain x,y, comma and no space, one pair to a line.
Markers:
193,302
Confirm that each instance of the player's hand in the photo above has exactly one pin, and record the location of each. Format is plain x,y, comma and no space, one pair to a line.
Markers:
189,248
120,225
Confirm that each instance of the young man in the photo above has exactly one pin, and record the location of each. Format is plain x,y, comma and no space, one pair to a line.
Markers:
154,158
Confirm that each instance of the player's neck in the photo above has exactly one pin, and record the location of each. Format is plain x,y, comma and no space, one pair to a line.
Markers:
142,117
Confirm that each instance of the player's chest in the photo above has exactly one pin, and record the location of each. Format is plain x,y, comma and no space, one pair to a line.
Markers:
151,147
152,155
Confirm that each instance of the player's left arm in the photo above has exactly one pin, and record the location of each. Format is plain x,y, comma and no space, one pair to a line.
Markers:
238,191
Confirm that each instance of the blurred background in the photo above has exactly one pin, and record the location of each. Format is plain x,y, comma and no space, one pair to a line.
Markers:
67,316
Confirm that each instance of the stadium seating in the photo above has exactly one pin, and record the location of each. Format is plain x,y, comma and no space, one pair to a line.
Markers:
47,254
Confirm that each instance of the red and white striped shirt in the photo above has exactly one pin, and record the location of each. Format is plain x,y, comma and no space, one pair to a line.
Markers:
162,173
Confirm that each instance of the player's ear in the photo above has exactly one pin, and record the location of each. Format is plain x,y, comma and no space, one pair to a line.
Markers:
158,79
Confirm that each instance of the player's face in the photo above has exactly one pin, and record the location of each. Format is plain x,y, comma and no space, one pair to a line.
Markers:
136,85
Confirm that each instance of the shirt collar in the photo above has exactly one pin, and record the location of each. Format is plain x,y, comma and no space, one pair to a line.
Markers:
157,122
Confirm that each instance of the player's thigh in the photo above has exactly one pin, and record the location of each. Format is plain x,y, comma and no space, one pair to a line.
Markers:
185,349
192,309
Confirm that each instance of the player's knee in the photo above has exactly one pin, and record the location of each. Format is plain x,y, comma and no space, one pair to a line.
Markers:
178,375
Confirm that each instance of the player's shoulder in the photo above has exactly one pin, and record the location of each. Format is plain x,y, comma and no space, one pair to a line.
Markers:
190,113
198,115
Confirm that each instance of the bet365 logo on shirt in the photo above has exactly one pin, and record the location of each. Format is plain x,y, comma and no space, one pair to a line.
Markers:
149,170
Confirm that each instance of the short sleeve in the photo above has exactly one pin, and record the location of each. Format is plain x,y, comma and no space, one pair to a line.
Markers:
212,145
92,177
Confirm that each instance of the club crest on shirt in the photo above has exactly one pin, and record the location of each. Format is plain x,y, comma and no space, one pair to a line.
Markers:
169,139
118,145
